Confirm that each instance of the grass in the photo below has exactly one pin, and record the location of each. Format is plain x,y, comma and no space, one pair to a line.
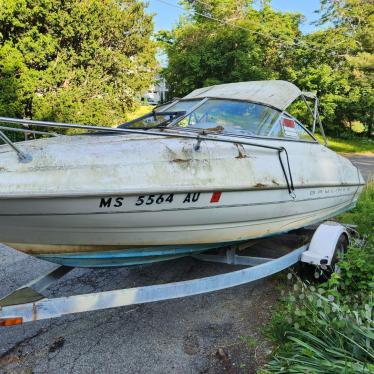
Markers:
335,339
363,214
329,327
355,145
140,111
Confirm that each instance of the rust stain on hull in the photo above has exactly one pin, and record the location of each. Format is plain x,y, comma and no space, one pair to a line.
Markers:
36,249
241,151
178,160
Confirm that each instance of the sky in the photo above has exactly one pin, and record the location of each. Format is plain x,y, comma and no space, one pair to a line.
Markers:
166,16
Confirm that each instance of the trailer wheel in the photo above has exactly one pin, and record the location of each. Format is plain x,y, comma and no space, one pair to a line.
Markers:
322,273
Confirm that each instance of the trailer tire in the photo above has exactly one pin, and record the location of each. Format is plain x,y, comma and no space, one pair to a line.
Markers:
323,273
340,249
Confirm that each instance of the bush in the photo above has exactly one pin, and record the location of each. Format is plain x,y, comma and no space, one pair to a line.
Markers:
318,335
354,279
363,215
330,329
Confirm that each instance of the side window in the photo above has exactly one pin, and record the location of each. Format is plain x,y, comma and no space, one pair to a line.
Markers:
288,127
303,134
276,131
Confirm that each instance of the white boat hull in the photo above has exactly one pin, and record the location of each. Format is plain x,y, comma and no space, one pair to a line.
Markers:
80,229
133,207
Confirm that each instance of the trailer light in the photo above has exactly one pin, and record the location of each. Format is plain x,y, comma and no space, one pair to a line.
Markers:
11,321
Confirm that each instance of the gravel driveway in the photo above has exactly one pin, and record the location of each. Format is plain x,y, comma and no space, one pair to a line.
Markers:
219,332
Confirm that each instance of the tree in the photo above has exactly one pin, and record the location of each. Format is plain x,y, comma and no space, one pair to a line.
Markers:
355,20
227,41
246,45
82,61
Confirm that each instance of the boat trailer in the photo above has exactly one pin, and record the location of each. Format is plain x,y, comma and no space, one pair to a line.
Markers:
27,303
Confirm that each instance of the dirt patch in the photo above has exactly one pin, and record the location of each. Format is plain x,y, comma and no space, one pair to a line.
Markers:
191,344
57,344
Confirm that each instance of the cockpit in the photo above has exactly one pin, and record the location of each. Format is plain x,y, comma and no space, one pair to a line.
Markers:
224,116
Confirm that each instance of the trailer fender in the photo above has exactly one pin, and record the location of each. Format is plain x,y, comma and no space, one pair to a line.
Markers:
322,247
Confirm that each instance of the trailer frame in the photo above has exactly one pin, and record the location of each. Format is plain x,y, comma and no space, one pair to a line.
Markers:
27,303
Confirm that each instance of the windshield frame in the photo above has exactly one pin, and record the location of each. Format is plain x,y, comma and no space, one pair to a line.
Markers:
151,114
200,101
301,125
204,100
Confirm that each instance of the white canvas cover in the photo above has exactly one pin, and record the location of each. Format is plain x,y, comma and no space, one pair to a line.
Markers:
276,93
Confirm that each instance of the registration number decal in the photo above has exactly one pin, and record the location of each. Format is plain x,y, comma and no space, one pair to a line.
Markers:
147,200
154,199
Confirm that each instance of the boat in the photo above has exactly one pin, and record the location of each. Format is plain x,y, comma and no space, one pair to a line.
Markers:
223,165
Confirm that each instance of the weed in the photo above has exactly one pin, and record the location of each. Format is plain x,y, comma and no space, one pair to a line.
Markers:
353,145
329,328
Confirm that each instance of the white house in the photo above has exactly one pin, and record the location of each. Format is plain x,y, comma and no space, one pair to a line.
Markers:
157,92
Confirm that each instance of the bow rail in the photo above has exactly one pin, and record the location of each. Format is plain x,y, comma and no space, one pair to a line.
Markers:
162,132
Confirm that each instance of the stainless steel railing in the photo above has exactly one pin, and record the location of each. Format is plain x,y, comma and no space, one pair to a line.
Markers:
163,132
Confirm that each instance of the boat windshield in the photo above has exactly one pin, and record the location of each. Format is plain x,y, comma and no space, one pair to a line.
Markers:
231,116
224,116
239,118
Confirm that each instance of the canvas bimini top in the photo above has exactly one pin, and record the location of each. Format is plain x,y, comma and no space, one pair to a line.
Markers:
276,93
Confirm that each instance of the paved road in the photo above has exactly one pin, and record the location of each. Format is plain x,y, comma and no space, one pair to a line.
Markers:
365,164
213,333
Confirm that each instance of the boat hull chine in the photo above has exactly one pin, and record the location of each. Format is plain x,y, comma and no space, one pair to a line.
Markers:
126,257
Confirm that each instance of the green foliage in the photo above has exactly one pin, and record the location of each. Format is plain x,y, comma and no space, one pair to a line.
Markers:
255,44
321,336
355,278
363,214
329,328
139,112
76,61
203,52
349,144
